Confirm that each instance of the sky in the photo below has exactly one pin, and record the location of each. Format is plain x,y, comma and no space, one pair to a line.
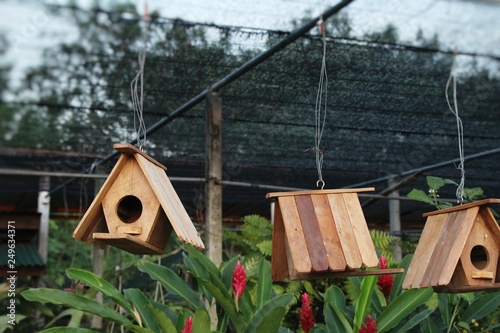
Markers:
468,26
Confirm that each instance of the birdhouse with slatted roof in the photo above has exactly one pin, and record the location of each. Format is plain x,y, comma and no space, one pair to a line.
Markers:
458,250
137,208
321,234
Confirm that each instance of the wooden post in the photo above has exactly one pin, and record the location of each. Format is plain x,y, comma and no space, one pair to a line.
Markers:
97,265
44,210
395,218
213,188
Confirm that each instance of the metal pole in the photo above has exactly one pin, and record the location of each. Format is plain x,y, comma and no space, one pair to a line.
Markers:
292,37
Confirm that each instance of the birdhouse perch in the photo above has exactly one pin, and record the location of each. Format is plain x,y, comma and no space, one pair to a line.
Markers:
137,208
458,250
321,234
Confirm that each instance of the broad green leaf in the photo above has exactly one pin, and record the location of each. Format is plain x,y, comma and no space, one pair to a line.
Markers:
482,306
171,313
141,303
337,320
59,297
435,183
270,323
445,308
319,329
268,317
201,321
68,330
197,270
75,315
227,304
264,285
401,307
102,285
420,195
171,282
428,326
363,304
205,261
413,321
397,287
335,296
164,321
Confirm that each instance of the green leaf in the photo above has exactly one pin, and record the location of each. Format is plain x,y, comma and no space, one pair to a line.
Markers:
141,303
102,285
201,321
268,317
335,296
265,285
413,321
68,330
445,308
197,270
401,307
75,315
397,287
420,195
171,282
435,183
336,319
363,304
482,306
164,321
428,326
59,297
270,323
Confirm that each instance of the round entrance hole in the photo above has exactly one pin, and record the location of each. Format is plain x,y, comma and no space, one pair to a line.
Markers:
479,257
129,209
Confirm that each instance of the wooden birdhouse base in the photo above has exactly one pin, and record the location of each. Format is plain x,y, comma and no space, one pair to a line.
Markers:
128,243
321,234
344,274
466,289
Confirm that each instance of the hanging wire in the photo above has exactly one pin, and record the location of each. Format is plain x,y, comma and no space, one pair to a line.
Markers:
321,108
460,130
137,89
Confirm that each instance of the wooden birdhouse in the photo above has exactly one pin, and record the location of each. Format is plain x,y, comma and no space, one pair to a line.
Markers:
321,234
136,208
458,250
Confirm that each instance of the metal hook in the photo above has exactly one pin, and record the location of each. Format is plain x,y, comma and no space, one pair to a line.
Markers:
320,181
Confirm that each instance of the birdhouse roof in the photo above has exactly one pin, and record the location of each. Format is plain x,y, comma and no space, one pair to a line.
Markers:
442,242
322,231
94,221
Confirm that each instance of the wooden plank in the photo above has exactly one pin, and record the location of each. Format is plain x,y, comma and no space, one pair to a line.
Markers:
455,245
346,233
94,213
483,275
128,243
463,207
169,200
439,255
312,234
128,149
129,229
348,273
279,262
295,235
467,289
423,253
491,224
329,233
312,192
361,232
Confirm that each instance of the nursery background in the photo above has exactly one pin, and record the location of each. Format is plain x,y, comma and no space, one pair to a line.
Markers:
65,99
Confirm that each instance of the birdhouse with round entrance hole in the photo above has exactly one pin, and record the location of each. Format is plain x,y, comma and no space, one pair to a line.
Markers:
137,208
458,250
321,234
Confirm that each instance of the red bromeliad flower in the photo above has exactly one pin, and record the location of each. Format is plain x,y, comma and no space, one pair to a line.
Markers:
239,282
385,281
370,325
188,326
306,317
